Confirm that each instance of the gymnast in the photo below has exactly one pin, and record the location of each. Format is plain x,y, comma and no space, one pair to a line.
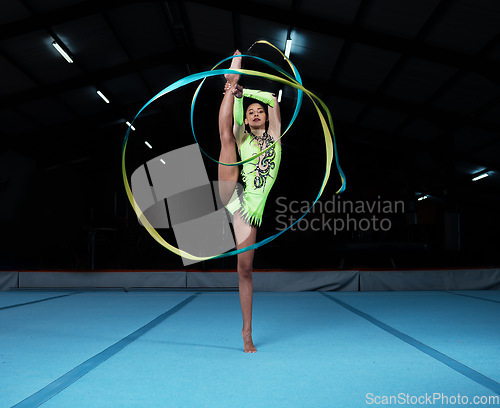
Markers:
252,131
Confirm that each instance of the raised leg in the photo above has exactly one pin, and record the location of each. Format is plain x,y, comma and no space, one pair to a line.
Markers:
228,175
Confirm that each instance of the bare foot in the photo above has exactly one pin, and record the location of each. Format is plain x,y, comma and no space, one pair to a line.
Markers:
248,346
236,64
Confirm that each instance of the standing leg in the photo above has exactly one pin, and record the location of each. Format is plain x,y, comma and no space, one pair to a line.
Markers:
245,236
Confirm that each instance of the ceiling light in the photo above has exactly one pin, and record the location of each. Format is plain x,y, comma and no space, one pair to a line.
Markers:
480,176
148,145
288,47
280,94
162,161
424,197
62,52
102,96
130,125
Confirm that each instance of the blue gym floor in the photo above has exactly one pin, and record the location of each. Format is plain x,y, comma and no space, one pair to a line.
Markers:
184,349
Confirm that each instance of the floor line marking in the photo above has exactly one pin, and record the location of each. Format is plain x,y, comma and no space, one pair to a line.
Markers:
443,358
38,301
54,388
472,297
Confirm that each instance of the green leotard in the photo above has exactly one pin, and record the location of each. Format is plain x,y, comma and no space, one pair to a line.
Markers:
258,177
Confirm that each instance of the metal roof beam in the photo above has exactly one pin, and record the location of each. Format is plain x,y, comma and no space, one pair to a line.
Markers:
445,56
484,66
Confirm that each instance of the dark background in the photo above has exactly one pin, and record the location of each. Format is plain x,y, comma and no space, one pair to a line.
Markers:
413,87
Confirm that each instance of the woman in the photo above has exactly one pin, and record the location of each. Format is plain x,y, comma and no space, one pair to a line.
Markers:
258,130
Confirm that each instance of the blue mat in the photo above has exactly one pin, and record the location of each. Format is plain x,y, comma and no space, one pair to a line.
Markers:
185,350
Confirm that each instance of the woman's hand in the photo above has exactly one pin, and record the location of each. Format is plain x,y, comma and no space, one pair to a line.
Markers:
227,87
237,91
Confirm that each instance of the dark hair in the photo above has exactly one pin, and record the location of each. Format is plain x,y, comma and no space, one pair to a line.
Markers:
250,101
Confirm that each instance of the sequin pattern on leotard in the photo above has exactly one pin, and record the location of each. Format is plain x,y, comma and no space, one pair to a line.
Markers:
258,175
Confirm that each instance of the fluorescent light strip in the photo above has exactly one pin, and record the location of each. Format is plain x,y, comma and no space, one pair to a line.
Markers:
423,198
162,161
480,176
280,94
288,47
62,52
148,145
130,125
102,96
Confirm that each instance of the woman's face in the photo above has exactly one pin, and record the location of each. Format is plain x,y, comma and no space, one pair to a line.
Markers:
256,116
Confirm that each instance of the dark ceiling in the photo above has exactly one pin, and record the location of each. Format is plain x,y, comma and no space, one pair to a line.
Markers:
413,85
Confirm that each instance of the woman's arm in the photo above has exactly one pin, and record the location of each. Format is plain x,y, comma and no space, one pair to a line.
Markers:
275,119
